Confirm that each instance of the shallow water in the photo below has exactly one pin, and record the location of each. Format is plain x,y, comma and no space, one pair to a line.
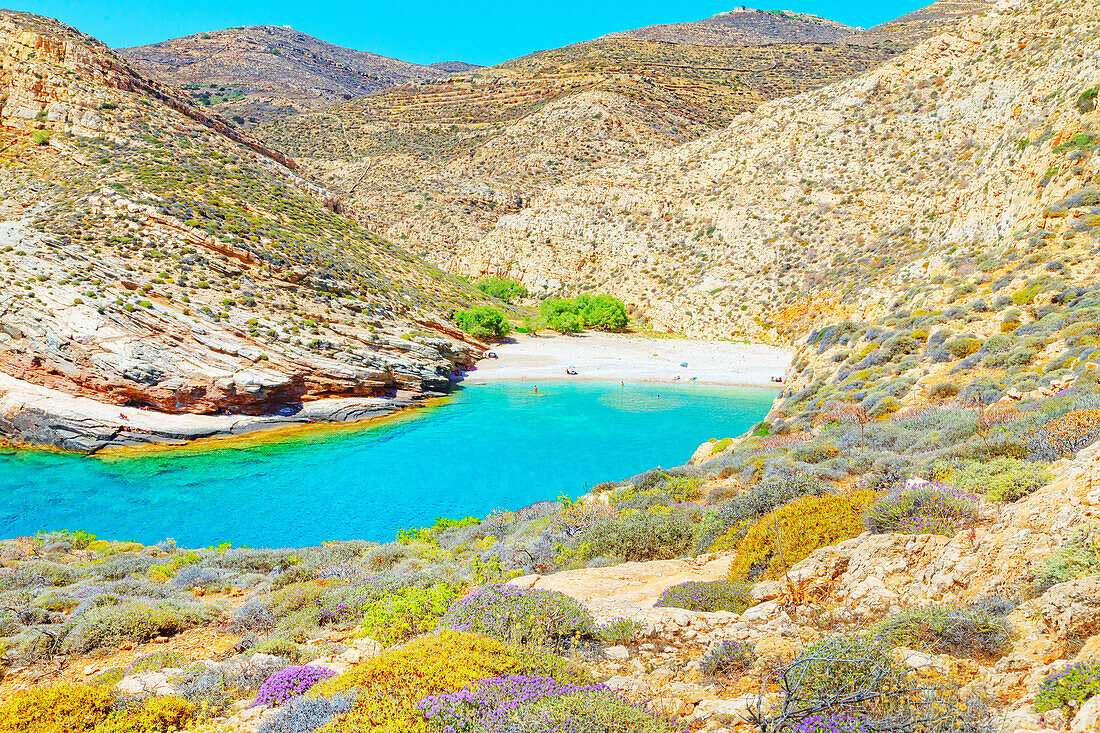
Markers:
495,446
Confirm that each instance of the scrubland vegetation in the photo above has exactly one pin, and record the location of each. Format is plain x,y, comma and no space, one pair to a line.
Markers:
461,648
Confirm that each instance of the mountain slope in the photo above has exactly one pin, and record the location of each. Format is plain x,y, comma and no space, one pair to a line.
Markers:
259,71
895,185
910,29
744,27
155,258
436,164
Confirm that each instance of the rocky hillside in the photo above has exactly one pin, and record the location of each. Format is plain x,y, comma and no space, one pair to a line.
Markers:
154,257
912,28
257,72
435,165
744,27
960,170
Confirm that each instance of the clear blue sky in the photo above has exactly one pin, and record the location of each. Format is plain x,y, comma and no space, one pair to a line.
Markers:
422,31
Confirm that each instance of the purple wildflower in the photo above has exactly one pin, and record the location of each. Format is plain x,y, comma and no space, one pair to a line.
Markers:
292,681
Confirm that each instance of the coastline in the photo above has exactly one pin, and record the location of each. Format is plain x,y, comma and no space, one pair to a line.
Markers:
621,357
36,417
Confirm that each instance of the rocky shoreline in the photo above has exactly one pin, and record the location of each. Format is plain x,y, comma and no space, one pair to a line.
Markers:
38,417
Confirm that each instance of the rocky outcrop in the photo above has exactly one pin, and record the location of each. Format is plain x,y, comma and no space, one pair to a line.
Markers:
50,101
34,416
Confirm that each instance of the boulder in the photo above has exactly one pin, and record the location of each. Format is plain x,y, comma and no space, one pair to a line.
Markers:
1087,719
147,683
1072,609
617,653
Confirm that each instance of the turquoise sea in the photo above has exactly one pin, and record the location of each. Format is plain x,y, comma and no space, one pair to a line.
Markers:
493,446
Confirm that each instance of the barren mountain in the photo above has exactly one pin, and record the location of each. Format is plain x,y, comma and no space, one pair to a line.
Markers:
154,257
256,72
436,164
963,166
744,27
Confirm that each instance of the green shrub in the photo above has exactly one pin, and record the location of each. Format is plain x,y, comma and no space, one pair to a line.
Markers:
561,315
505,289
720,445
814,453
602,312
962,346
943,390
644,535
56,602
157,661
955,630
1087,101
851,683
789,534
524,615
841,664
279,647
61,709
412,611
1079,557
598,312
707,596
1002,479
727,656
41,137
104,627
483,322
885,406
1069,688
78,539
591,711
155,715
619,631
295,574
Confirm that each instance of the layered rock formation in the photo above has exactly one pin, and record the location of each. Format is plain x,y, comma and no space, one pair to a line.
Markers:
154,257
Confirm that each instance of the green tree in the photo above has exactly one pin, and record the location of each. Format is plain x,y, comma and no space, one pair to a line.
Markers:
562,315
505,289
602,312
484,322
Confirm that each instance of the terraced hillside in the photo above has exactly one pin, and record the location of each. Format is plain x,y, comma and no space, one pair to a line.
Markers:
434,165
257,72
153,257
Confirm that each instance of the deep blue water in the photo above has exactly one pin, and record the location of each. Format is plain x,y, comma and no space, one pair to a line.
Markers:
496,446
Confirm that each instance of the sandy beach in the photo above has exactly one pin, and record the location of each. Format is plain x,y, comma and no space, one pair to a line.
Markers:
610,356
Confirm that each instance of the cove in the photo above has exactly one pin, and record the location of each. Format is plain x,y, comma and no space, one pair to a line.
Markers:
493,446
